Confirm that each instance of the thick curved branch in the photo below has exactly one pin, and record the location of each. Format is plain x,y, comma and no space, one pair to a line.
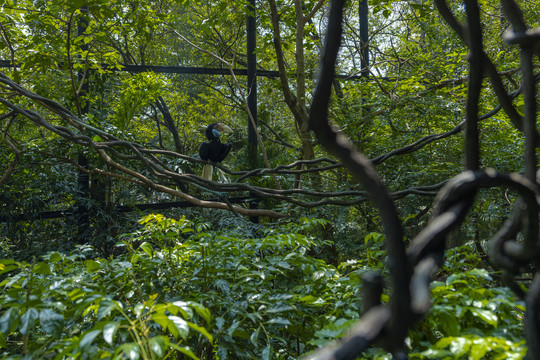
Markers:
363,169
13,147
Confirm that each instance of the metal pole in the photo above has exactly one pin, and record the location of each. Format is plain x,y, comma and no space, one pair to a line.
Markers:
364,37
252,70
83,183
252,89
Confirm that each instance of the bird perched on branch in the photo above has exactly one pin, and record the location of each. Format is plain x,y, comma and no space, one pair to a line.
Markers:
214,150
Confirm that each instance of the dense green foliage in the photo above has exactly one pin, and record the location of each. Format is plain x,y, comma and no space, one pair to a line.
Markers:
207,284
179,286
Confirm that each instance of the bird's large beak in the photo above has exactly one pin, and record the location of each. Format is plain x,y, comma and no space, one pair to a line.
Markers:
224,128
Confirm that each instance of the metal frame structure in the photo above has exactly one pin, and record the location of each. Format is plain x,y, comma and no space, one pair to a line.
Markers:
251,71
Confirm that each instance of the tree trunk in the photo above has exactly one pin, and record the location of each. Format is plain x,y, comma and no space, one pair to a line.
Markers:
169,123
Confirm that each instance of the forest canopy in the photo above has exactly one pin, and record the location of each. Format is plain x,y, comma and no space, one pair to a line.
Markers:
366,139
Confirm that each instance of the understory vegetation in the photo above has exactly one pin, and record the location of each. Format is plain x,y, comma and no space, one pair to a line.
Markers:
178,286
419,165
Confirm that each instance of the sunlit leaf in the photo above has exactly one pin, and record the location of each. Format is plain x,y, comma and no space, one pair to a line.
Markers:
109,331
487,315
181,326
158,345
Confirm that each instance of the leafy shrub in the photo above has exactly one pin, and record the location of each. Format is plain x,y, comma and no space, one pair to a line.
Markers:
181,289
471,316
72,307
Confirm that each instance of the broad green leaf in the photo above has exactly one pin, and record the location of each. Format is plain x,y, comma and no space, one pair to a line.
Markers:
254,338
308,299
186,350
88,338
27,320
109,330
9,320
280,309
335,329
183,307
181,326
105,308
220,322
158,345
487,315
55,257
162,320
460,346
42,268
233,327
481,273
131,350
147,248
279,320
91,265
8,265
51,322
449,323
479,349
201,330
267,353
201,310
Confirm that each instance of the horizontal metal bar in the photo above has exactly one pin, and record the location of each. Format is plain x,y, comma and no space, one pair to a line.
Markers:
191,70
5,218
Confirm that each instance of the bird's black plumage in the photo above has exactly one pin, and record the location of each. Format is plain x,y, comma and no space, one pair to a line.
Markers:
214,150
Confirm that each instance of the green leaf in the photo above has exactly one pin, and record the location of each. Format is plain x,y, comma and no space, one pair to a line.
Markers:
3,343
8,321
308,299
162,320
8,265
131,350
487,315
479,349
460,346
87,339
181,326
186,350
51,322
279,320
27,320
55,257
109,330
158,345
202,311
449,323
335,329
181,306
267,353
105,308
481,273
279,308
147,248
91,265
254,338
42,268
201,330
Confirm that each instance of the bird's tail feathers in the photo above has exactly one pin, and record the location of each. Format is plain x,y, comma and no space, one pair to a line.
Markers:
207,171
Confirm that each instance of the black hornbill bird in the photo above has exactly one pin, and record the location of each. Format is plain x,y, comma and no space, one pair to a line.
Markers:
214,150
